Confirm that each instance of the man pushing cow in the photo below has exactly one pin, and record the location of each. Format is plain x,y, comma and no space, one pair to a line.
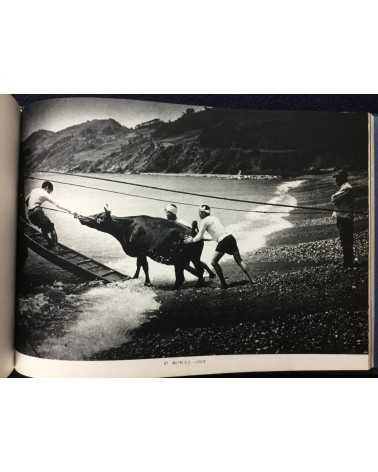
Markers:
227,243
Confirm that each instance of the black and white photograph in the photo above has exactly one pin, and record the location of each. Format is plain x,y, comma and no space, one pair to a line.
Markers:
152,230
188,236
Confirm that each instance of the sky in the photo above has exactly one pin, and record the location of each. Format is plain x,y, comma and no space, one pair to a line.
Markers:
57,114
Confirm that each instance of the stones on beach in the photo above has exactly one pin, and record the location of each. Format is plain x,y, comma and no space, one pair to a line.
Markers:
301,302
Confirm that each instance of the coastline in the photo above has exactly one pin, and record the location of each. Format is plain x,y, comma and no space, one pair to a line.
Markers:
267,177
290,309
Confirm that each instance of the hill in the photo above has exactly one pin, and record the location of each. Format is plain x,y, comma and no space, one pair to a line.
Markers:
209,141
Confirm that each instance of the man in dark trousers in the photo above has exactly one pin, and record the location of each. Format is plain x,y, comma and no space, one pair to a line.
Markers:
226,243
344,207
34,201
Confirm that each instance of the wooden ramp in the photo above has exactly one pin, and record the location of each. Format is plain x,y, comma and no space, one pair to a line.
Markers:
68,259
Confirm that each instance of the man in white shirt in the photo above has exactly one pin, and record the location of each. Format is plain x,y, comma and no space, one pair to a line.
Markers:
34,201
226,242
344,211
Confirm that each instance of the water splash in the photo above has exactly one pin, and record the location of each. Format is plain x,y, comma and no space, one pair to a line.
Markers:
105,316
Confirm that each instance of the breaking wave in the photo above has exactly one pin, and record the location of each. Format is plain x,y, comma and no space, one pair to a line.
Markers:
104,317
252,232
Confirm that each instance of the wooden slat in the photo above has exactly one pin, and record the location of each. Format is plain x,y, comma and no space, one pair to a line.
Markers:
107,274
84,261
70,259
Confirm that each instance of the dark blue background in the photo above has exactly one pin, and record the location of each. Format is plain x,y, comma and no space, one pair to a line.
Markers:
368,103
357,103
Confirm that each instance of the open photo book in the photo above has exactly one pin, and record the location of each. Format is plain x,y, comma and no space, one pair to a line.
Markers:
152,239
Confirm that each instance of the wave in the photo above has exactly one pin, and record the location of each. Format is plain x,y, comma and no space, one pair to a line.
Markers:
105,316
252,232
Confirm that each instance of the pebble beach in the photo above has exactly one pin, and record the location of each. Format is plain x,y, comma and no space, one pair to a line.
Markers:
302,300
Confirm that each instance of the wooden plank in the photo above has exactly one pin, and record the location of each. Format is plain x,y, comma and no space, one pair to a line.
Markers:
70,259
84,261
107,274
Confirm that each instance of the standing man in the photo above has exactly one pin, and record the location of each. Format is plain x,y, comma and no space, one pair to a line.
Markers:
34,201
171,211
344,205
226,243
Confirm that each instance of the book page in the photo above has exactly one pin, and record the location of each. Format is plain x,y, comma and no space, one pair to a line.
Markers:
169,240
9,140
374,325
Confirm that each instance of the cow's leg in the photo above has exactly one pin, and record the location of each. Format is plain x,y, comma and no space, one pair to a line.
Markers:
192,271
204,266
179,272
147,281
139,266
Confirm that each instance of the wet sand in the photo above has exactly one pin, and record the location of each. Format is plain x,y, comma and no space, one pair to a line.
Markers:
302,301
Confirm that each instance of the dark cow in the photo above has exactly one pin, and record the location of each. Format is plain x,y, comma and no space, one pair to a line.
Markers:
157,238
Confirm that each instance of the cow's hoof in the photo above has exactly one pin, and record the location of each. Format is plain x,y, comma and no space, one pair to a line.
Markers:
200,283
147,284
135,277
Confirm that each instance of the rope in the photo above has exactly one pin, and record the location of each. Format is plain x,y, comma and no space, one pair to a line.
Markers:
55,209
160,199
180,192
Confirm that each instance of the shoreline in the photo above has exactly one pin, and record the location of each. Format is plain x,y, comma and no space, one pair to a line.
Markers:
301,302
267,177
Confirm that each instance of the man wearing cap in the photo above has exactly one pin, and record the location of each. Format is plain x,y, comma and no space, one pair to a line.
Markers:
344,206
34,201
226,242
171,213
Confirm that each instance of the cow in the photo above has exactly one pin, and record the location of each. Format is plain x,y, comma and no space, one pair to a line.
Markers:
145,236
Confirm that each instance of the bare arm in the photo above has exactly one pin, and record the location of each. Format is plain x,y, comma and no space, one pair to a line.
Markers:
50,200
199,236
341,194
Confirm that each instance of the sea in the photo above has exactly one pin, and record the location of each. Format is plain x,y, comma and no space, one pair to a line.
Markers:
108,314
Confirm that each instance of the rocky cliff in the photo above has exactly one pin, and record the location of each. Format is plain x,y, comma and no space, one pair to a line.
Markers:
209,141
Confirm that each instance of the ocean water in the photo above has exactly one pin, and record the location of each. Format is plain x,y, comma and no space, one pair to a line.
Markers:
107,315
250,229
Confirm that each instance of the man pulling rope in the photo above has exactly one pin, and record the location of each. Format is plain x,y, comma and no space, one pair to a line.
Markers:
34,201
